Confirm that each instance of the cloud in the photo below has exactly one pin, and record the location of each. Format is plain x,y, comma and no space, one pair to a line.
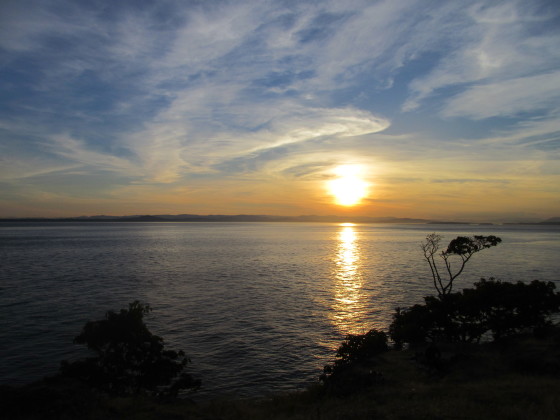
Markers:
314,123
505,41
171,146
163,95
22,168
470,181
506,98
77,152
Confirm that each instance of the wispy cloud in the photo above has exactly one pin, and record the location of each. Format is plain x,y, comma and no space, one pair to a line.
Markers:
494,43
508,98
76,151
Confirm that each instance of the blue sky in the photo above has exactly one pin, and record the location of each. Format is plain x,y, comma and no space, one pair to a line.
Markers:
450,109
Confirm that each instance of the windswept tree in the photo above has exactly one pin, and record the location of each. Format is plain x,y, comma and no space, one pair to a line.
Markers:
460,250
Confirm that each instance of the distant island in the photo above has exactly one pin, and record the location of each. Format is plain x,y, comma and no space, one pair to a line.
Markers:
261,218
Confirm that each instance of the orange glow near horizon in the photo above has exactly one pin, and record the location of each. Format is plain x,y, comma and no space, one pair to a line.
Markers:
348,188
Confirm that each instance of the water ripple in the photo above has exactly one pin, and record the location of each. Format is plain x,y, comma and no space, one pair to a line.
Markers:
258,307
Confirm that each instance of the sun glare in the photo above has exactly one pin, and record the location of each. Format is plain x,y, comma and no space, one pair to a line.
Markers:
348,188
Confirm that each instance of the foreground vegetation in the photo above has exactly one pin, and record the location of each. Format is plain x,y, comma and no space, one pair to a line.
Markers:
129,359
491,351
517,378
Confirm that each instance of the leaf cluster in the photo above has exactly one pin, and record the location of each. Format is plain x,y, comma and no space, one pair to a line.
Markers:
463,245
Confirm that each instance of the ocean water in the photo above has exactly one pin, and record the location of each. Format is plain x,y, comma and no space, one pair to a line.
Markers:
259,307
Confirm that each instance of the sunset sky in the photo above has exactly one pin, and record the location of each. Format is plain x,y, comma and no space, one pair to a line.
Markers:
437,109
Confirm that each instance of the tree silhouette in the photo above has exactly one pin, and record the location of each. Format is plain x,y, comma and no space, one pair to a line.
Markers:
129,358
491,306
462,247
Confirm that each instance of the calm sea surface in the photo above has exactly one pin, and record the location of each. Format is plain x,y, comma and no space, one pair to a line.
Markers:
259,307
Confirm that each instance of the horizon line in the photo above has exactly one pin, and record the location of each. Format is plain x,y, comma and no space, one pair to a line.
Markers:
267,218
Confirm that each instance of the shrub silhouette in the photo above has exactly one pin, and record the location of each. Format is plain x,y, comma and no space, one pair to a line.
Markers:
351,370
129,358
495,307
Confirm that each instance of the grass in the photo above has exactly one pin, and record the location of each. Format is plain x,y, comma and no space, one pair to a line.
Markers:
515,379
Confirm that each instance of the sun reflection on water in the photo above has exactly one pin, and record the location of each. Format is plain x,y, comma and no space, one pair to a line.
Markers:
350,301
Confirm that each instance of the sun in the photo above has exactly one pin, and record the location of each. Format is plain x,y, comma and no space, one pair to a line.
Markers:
348,188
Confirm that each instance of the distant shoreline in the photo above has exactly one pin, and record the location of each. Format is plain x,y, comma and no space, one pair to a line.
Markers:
265,218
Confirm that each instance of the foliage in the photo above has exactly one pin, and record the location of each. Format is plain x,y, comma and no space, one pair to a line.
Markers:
357,348
129,358
411,325
462,247
351,369
495,307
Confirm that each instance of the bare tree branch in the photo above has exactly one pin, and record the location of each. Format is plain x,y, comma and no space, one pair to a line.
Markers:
463,247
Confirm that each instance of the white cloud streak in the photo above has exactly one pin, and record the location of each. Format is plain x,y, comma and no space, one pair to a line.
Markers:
507,97
501,44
